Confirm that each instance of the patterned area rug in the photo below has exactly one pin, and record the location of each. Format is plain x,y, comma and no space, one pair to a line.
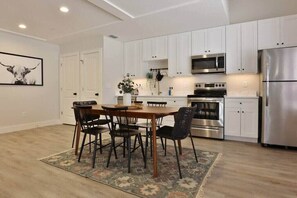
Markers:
140,182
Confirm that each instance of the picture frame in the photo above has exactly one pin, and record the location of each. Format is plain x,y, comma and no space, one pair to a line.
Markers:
16,69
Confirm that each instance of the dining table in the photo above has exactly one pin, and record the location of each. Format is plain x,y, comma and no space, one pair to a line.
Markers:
145,112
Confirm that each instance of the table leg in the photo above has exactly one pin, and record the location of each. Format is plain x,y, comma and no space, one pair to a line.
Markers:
154,139
179,147
78,128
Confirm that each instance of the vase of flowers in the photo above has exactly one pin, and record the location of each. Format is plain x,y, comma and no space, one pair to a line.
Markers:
127,86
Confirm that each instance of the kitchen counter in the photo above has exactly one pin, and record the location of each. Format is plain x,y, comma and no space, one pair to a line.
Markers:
161,96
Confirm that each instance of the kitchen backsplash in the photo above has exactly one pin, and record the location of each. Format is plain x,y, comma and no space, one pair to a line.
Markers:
237,85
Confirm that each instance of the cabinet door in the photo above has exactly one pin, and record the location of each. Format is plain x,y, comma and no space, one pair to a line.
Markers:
249,50
147,49
198,42
172,55
232,121
249,118
269,33
159,48
184,54
233,49
130,58
289,31
215,40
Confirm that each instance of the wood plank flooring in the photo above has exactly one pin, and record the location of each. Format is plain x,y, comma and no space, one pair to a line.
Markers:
245,170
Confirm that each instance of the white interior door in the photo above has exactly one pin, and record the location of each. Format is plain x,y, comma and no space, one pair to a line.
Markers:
69,86
91,75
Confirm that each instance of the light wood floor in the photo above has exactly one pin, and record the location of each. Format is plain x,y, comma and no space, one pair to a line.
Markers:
246,170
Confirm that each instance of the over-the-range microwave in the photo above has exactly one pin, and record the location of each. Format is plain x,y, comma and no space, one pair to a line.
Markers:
212,63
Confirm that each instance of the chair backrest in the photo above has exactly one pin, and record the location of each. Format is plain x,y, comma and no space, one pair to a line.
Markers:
183,122
81,103
84,116
156,104
117,115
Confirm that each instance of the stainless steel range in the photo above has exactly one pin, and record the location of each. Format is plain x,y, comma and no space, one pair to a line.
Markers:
208,120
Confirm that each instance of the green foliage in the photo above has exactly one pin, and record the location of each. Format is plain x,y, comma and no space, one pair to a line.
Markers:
127,85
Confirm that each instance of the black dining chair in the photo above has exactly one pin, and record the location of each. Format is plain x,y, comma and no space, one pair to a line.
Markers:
148,126
121,128
180,130
89,128
93,118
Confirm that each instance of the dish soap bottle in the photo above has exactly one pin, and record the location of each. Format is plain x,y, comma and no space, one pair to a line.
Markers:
170,91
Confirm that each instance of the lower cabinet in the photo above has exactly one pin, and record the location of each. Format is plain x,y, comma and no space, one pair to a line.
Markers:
241,119
171,102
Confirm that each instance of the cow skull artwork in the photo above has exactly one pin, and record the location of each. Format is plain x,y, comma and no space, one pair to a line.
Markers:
19,73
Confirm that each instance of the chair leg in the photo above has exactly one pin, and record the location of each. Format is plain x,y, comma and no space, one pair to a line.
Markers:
74,134
124,148
82,147
141,145
95,150
90,146
129,153
162,143
176,153
146,145
110,150
100,140
194,148
165,149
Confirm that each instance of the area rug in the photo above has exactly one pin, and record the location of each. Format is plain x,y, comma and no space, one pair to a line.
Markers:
140,181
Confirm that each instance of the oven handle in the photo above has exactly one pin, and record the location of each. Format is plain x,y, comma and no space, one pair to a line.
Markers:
205,99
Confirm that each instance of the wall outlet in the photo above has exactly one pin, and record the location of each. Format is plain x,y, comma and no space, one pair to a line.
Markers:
245,84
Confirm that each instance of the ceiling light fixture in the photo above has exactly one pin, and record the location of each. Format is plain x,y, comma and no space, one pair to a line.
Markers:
22,26
120,9
64,9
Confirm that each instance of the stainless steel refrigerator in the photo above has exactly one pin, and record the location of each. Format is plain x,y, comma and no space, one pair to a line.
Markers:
279,94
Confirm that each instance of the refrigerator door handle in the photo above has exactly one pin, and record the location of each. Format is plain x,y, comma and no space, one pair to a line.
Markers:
267,94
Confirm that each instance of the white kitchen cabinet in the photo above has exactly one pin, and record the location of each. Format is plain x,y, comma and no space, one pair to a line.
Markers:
133,63
179,54
241,118
277,32
155,48
208,41
241,48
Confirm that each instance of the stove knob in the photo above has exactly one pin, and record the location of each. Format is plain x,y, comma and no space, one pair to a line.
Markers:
216,85
223,85
219,85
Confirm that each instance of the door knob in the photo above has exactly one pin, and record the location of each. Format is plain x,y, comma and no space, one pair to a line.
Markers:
96,94
74,94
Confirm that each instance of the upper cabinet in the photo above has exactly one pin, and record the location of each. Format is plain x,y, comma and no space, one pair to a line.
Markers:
134,66
241,48
179,54
277,32
208,41
155,48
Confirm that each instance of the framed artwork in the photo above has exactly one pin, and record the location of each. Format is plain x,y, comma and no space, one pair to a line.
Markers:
18,69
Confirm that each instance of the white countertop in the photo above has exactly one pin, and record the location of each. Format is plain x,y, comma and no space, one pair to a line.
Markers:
161,96
241,96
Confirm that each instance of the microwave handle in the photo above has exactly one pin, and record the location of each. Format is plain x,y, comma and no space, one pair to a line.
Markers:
217,64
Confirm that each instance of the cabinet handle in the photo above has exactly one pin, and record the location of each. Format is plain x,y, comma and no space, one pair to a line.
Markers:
282,43
242,112
237,111
96,94
238,69
240,103
242,69
205,51
208,50
74,94
277,43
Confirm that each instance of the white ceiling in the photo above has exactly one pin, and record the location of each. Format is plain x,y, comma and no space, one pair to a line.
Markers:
151,17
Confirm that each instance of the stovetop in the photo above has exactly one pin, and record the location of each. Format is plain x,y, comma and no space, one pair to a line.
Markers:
217,89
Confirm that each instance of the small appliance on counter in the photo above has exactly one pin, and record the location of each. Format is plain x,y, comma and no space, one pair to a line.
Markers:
208,119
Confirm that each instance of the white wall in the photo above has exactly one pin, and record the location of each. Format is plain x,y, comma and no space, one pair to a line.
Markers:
245,85
24,107
112,68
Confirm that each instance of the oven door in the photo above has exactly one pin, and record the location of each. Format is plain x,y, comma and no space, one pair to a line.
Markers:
209,112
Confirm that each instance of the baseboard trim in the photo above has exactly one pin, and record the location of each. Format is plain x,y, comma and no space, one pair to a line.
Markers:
26,126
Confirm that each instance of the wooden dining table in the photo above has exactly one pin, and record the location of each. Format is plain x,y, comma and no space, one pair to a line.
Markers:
146,112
